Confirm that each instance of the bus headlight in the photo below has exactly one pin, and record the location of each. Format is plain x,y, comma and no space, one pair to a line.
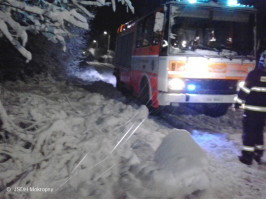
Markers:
176,84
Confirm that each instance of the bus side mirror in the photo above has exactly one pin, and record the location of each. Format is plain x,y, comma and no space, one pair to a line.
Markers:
158,25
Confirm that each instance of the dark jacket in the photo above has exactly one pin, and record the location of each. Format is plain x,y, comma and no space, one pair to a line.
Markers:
253,94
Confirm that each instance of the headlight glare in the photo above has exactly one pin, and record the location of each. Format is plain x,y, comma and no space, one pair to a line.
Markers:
176,84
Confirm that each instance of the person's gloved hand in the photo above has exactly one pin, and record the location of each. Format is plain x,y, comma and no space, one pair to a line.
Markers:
235,106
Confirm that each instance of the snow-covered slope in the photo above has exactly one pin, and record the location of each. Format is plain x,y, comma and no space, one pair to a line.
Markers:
79,144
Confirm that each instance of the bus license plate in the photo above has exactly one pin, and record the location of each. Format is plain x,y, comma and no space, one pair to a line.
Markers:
214,99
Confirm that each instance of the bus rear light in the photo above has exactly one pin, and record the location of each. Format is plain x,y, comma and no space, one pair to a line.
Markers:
176,84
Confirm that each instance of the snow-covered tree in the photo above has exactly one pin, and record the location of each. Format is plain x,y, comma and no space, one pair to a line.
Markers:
49,17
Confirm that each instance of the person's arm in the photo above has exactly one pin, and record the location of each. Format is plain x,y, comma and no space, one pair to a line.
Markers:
244,91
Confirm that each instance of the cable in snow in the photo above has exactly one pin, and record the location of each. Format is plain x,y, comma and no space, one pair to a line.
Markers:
126,122
123,144
73,171
122,139
102,174
108,156
80,162
135,130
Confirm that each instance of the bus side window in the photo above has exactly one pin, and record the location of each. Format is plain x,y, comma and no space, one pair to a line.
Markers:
139,34
145,35
148,32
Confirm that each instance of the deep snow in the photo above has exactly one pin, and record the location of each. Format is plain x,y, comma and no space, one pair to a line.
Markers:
89,141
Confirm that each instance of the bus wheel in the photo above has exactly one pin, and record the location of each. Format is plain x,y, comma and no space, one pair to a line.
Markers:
143,95
216,110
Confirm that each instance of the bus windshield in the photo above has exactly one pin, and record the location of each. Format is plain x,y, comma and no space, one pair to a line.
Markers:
210,29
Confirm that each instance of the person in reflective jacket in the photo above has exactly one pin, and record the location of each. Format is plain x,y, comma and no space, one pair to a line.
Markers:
252,98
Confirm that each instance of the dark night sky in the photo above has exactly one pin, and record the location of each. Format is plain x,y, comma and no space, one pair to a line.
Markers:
108,20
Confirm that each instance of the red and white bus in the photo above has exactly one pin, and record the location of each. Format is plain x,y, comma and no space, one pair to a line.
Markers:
187,53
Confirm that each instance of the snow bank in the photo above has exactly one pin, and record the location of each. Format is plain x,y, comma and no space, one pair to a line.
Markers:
83,145
178,170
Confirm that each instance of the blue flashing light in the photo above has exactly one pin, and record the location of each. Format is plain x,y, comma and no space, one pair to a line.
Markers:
192,1
232,3
191,87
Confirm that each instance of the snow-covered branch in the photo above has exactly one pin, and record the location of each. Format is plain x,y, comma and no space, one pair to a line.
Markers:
4,29
17,17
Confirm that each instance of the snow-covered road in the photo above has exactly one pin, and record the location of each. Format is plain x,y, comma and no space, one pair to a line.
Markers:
87,140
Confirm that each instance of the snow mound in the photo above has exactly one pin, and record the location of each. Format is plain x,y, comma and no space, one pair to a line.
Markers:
178,153
177,171
183,164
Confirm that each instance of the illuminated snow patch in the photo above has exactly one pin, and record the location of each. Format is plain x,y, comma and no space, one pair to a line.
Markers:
92,75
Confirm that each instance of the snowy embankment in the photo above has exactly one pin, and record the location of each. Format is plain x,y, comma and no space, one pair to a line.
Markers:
80,144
